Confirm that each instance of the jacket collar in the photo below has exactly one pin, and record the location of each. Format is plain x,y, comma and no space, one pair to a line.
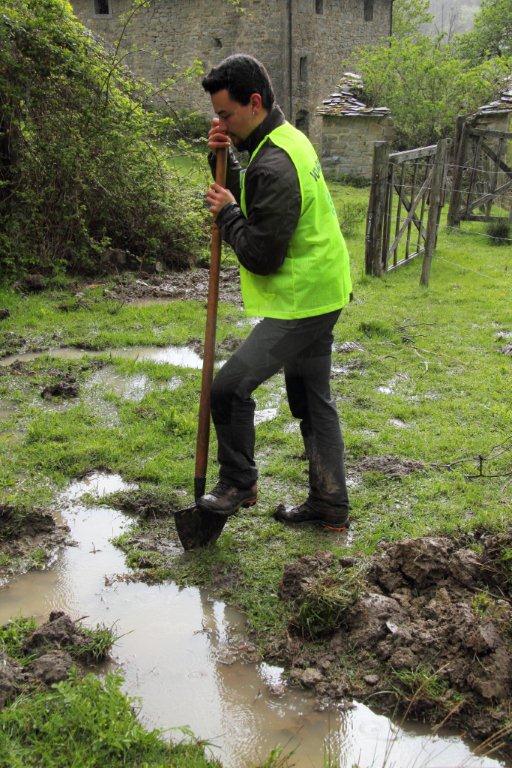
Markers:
274,118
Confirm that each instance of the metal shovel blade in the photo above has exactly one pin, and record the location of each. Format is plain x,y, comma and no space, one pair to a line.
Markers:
196,528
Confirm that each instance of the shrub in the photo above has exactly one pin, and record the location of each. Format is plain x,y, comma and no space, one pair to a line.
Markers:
499,231
350,215
82,174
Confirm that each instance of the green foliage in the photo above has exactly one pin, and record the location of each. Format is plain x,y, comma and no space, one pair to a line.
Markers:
499,231
422,684
425,85
87,723
97,645
325,600
409,16
491,35
13,636
351,215
83,172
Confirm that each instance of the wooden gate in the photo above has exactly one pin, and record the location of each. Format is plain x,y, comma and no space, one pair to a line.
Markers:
405,203
482,175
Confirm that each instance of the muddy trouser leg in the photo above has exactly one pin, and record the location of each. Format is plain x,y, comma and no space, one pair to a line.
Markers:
272,345
308,388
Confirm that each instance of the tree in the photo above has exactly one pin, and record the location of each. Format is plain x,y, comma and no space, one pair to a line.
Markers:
491,35
426,85
409,16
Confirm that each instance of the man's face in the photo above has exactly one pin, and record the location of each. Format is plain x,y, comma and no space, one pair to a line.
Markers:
237,120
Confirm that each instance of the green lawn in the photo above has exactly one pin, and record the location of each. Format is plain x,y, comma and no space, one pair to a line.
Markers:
431,385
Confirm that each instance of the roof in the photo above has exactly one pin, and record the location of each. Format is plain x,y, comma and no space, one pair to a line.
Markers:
502,104
346,101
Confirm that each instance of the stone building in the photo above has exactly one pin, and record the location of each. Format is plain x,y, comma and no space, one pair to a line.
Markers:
303,43
349,130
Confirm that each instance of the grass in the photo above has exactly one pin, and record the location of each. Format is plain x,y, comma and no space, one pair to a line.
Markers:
434,352
431,385
87,723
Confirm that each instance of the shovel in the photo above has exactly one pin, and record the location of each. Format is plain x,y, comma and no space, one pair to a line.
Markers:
196,528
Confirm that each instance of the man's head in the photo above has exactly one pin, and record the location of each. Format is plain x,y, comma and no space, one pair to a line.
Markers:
241,93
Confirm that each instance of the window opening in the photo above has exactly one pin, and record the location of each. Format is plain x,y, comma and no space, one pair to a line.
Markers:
368,10
101,7
302,121
319,6
303,69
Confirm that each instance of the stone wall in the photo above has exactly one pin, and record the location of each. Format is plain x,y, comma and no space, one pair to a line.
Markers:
164,40
347,144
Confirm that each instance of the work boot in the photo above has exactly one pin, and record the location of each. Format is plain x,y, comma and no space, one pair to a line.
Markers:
307,513
226,499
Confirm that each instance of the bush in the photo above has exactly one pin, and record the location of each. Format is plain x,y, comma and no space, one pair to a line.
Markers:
350,215
82,174
500,232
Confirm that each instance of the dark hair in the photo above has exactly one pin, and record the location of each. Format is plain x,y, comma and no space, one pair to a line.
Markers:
241,75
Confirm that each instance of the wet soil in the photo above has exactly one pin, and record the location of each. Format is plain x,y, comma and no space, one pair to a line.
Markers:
46,656
29,538
191,284
427,633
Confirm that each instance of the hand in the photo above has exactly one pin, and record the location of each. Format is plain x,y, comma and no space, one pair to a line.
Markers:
217,197
217,137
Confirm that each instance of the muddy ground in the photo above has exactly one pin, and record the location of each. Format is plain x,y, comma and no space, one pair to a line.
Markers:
29,538
46,655
422,629
191,284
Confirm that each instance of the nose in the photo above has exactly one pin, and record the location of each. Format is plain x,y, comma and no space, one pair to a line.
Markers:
222,124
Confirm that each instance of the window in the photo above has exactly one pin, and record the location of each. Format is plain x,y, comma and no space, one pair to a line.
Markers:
217,42
102,7
319,6
303,69
368,10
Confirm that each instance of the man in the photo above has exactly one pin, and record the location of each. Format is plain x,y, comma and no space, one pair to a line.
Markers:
279,218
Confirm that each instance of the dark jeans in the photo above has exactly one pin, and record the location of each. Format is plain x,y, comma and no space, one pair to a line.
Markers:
303,348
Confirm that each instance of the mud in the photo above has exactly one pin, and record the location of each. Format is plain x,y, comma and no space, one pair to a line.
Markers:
507,349
28,539
191,284
4,314
63,386
46,657
392,466
427,633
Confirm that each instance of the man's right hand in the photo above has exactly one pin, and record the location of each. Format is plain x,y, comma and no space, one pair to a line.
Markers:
217,136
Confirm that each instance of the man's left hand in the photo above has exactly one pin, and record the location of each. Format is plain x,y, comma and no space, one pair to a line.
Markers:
218,197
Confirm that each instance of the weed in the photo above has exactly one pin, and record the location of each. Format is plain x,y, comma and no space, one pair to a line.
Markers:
97,645
325,600
5,560
499,231
13,636
351,215
38,557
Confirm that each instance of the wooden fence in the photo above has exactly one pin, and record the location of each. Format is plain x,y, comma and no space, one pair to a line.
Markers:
406,198
482,176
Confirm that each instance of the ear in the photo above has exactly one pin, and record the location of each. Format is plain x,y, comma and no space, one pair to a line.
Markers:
256,102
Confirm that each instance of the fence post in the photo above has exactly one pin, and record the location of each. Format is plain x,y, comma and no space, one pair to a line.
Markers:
459,151
376,205
434,210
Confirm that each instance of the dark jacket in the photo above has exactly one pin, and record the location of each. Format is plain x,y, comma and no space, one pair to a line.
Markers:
273,201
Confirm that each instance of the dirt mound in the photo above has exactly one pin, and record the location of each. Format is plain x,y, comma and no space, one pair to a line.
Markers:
46,655
393,466
429,627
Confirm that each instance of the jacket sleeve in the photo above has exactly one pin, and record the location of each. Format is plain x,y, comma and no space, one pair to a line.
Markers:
233,172
273,199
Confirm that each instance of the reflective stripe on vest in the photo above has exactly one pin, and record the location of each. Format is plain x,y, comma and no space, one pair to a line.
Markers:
315,276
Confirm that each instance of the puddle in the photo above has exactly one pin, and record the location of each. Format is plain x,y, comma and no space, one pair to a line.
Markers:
172,648
180,356
391,386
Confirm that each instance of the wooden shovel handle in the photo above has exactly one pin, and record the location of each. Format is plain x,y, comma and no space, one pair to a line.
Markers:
203,427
